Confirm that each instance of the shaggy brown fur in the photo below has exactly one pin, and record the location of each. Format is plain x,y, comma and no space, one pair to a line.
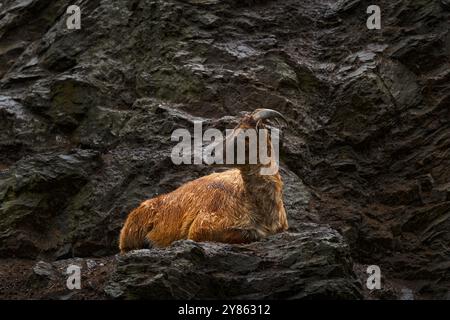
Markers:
235,206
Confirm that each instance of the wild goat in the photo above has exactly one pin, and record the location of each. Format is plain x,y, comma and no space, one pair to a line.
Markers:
235,206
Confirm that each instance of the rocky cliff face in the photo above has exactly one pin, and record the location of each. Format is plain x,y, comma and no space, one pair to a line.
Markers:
86,117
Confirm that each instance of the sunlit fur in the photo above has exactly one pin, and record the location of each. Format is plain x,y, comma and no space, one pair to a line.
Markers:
235,206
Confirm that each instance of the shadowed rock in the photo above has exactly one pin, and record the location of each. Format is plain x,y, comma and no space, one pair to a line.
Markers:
314,263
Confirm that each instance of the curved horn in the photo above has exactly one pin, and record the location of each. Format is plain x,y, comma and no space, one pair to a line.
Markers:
261,114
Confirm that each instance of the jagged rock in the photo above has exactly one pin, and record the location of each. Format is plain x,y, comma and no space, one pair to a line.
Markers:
45,270
314,263
32,193
445,4
86,117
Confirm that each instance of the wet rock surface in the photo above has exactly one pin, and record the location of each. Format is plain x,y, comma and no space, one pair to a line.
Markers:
314,263
86,117
28,279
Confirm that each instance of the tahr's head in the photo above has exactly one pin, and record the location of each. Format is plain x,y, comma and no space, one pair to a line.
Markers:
253,145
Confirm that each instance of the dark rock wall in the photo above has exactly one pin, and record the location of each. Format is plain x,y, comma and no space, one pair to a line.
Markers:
86,117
